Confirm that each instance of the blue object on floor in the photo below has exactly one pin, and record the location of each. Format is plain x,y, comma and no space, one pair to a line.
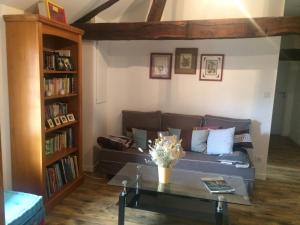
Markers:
23,208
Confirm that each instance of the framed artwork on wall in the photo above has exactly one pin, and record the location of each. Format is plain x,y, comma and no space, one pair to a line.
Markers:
211,67
186,60
160,65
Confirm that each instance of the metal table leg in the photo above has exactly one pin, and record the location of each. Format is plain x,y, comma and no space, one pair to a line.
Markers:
122,204
219,210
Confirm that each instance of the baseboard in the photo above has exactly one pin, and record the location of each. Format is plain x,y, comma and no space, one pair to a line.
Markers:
261,176
88,168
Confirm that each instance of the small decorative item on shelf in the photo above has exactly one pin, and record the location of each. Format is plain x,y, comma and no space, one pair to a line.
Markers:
164,152
50,123
63,119
71,117
57,121
55,12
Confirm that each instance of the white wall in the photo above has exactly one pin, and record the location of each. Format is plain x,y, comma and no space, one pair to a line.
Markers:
247,90
4,107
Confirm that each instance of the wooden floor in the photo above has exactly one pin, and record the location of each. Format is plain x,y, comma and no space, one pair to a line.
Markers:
276,200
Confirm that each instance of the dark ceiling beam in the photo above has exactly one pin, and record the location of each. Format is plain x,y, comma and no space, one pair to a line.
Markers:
194,29
289,54
156,11
95,12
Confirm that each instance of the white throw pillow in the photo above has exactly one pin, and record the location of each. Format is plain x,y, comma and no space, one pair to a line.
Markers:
220,141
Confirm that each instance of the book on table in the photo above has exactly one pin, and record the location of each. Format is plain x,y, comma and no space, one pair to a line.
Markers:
217,185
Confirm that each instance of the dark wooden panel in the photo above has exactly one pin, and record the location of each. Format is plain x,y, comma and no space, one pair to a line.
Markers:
94,12
290,54
156,11
194,29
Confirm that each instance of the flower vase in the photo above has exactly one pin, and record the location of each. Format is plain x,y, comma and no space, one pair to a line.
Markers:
164,175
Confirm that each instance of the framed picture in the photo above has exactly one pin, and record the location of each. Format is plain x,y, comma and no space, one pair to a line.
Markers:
70,117
50,123
211,67
186,60
160,65
55,12
57,121
63,119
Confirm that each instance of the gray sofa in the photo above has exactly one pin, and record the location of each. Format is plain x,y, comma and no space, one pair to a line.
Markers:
110,161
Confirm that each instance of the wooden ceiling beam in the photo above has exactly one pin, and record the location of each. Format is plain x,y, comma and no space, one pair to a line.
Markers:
95,12
194,29
289,55
156,11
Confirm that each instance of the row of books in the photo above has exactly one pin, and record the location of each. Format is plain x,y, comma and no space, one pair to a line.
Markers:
61,173
57,60
55,109
59,86
59,140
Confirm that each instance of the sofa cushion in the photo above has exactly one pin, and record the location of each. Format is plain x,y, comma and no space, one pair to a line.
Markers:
226,122
141,120
180,121
21,207
199,139
242,128
220,141
141,137
192,140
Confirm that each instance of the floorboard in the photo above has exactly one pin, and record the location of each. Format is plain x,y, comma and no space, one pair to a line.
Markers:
276,200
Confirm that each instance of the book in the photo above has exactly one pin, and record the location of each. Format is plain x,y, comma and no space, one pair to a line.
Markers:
217,185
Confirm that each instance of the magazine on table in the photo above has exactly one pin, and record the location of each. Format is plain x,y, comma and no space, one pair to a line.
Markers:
217,185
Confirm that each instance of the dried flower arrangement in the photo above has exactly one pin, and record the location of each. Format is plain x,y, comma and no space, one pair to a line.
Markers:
165,151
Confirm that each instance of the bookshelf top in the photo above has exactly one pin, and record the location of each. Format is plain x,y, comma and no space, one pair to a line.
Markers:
42,19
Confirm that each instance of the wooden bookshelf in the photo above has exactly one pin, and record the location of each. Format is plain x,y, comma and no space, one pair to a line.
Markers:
2,214
60,96
51,158
59,72
49,130
27,38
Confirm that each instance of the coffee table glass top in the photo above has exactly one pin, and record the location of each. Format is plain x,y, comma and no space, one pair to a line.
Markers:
183,183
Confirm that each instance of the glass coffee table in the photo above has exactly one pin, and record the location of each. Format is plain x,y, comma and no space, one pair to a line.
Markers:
185,195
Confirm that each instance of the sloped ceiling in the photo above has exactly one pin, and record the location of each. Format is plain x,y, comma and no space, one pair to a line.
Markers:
76,8
123,10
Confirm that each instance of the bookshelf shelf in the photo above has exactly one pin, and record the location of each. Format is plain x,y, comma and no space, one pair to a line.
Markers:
58,155
60,96
29,40
49,130
60,72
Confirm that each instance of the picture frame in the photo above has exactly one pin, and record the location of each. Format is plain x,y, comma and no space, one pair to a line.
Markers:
57,121
211,67
70,117
64,119
160,66
186,60
55,12
50,123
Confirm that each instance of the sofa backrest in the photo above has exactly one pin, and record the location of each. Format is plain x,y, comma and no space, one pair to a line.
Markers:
240,125
141,120
158,121
181,121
